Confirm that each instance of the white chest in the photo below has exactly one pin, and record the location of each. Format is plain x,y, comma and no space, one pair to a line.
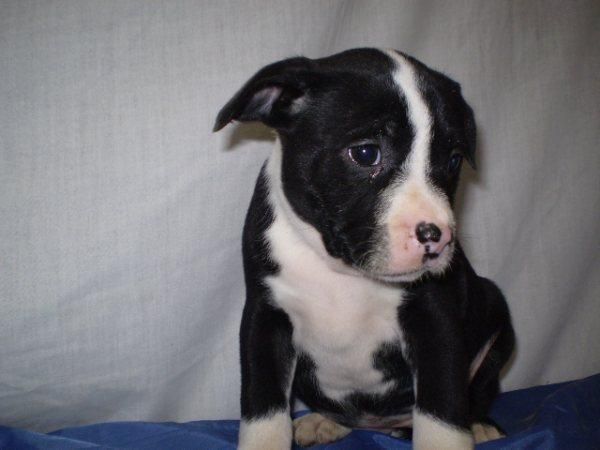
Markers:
339,319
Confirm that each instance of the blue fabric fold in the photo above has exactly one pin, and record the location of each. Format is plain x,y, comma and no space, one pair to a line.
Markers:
558,416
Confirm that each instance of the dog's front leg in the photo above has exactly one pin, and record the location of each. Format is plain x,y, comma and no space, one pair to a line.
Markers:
268,364
437,355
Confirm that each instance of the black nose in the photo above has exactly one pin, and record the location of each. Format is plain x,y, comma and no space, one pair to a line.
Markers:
427,232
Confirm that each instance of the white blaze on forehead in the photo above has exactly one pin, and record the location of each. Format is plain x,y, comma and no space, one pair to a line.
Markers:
412,197
419,116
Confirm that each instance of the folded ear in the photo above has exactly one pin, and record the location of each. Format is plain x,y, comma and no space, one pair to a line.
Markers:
471,135
272,96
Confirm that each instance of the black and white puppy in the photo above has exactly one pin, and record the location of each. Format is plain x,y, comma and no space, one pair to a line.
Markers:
360,300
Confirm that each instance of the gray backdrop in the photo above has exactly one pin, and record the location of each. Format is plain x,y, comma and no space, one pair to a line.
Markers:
121,281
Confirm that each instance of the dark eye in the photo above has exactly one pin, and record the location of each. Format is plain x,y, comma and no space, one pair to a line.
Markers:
365,154
454,162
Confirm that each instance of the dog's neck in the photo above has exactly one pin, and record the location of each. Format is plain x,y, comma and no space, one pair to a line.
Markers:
299,229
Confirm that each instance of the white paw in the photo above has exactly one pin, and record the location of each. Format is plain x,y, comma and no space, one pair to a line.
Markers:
268,433
314,429
484,432
431,433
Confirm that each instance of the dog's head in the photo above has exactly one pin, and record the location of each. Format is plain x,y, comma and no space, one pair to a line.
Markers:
372,144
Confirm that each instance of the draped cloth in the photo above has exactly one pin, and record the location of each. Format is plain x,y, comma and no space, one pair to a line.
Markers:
121,284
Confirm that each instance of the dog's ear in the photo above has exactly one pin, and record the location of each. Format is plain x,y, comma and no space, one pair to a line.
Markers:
272,96
470,135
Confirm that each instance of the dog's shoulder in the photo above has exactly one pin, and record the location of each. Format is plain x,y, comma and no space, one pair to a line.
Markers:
257,261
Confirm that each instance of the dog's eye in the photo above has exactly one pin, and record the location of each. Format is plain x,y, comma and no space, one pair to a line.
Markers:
365,154
454,162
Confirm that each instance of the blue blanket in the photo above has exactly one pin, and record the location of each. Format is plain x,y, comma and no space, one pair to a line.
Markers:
558,416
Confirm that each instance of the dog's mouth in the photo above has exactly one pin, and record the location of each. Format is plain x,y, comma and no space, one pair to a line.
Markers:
427,256
399,277
431,262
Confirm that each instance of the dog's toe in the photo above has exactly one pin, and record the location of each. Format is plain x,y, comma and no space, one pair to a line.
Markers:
484,432
314,429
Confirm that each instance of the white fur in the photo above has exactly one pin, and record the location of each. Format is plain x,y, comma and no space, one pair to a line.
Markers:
418,115
269,433
430,433
339,316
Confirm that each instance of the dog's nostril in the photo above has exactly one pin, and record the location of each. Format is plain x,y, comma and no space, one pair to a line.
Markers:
428,232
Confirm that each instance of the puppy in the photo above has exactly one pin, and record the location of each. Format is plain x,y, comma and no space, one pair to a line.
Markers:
360,300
